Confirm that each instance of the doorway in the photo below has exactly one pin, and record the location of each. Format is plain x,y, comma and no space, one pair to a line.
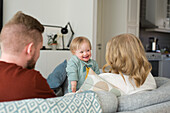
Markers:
110,13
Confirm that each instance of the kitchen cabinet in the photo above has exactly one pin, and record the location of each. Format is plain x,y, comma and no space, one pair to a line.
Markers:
156,12
49,59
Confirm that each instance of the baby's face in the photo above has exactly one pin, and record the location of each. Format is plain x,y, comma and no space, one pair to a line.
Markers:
84,52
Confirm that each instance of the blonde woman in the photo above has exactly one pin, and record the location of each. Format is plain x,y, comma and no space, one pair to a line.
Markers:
129,69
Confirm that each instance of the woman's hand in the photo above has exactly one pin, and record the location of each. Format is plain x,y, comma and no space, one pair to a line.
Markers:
73,86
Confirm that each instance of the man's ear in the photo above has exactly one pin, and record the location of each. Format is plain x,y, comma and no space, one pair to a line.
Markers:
29,48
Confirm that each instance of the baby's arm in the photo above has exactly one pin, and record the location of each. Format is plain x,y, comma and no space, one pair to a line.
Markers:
73,86
96,70
72,72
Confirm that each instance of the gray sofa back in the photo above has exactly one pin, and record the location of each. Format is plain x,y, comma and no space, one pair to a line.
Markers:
146,101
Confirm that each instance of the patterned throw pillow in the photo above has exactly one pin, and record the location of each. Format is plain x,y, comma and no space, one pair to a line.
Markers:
96,83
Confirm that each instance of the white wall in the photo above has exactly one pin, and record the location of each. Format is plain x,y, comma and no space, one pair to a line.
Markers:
81,15
56,12
47,12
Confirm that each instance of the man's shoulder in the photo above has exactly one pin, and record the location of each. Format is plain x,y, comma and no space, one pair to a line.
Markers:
16,70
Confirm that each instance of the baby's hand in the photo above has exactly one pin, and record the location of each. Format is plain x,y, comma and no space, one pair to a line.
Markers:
73,86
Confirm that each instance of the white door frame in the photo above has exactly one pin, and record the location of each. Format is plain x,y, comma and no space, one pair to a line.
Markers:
94,38
97,45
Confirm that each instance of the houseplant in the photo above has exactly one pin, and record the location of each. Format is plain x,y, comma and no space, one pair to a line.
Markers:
52,41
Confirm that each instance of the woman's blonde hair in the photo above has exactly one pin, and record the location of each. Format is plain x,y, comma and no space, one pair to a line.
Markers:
77,42
125,54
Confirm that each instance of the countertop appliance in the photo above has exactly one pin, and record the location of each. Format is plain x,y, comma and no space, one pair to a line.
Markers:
155,59
160,64
165,65
153,44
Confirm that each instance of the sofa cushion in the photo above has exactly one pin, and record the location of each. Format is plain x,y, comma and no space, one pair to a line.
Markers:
58,76
96,83
86,102
157,108
146,98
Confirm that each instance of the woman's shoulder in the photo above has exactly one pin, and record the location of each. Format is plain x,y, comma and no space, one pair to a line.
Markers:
109,75
150,81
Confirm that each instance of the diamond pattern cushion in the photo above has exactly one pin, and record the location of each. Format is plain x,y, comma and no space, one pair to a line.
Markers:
86,102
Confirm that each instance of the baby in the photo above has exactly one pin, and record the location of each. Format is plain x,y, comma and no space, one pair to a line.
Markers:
76,66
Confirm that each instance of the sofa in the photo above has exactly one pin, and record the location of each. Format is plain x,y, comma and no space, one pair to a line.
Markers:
155,101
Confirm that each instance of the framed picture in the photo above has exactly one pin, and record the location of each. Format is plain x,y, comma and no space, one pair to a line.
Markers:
52,34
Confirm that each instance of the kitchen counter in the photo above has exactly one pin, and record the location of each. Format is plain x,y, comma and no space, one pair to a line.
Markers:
164,30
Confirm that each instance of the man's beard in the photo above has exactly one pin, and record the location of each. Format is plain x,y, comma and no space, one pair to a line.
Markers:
31,63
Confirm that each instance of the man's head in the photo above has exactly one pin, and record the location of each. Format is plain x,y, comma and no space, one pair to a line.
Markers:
22,34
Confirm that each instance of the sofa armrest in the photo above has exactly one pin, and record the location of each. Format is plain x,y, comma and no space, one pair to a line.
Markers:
108,101
161,80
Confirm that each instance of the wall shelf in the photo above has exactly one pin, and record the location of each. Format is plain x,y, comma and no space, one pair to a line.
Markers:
164,30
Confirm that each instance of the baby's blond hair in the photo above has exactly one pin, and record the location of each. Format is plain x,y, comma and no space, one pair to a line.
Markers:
77,42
